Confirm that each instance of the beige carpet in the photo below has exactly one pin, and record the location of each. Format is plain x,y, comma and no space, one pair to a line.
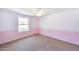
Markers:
38,43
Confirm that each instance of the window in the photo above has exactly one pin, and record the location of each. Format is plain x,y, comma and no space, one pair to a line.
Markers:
23,24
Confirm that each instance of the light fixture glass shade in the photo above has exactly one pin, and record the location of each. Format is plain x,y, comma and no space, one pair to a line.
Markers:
40,13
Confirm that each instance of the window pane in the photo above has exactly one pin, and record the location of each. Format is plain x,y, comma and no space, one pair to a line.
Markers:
22,20
23,28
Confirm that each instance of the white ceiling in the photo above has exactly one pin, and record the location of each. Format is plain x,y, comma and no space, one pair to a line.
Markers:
46,11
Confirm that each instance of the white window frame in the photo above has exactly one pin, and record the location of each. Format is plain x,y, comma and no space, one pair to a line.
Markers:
23,24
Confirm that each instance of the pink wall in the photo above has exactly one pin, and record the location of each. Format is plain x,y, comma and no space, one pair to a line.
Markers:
7,36
63,26
68,36
9,26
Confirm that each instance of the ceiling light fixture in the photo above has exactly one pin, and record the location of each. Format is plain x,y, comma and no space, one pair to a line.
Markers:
40,12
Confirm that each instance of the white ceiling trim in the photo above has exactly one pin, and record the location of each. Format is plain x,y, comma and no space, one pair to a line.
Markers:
20,11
